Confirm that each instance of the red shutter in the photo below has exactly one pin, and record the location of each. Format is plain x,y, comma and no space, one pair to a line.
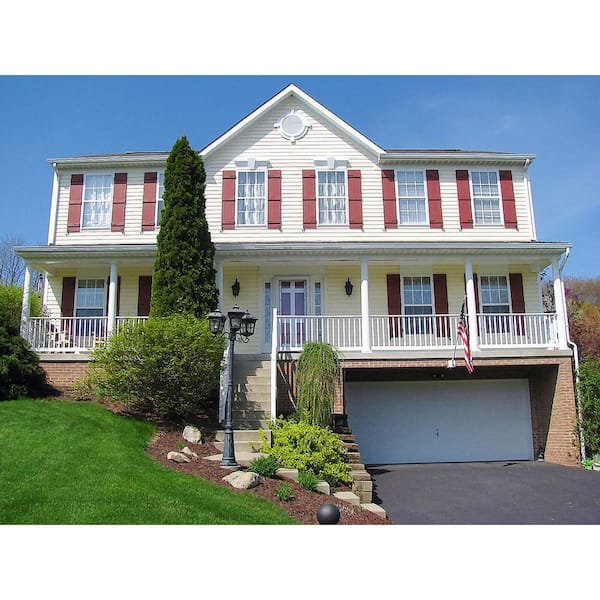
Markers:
274,202
144,295
508,200
75,198
464,199
434,198
394,304
309,199
228,200
440,291
516,292
67,303
355,199
119,199
149,201
388,188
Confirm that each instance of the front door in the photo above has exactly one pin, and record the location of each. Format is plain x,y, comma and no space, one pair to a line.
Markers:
292,306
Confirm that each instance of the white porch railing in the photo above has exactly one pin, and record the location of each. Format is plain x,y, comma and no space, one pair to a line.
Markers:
512,329
342,332
411,331
70,334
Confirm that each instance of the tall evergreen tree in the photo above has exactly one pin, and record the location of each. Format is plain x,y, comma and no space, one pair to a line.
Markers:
184,276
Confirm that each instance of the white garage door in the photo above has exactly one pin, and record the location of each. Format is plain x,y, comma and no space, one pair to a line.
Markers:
440,421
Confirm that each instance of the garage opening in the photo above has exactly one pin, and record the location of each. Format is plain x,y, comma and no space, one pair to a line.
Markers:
440,421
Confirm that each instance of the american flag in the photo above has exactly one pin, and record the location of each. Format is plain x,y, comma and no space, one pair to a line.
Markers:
463,332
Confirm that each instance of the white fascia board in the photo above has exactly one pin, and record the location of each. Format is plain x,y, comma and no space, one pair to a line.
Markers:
155,159
455,156
304,97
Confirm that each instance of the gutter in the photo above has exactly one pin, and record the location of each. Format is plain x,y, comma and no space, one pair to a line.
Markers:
573,346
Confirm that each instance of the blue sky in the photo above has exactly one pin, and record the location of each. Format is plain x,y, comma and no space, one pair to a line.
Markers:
553,117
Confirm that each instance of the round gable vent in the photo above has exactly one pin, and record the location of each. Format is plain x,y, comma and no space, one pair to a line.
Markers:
292,126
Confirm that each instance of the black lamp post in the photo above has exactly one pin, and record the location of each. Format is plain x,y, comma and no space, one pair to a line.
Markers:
241,323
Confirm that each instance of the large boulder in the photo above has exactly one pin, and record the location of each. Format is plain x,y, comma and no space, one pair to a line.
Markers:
242,480
178,457
192,434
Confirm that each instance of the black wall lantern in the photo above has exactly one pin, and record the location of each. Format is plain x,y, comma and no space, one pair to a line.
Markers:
235,288
349,287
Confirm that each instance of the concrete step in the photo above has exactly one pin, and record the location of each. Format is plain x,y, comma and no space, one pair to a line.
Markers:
243,435
346,437
348,497
350,447
360,475
352,457
362,486
374,508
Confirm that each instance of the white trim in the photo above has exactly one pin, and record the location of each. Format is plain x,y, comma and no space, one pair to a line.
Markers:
266,198
340,168
480,275
158,176
52,223
426,223
83,202
500,204
291,90
246,164
291,136
529,198
89,278
307,295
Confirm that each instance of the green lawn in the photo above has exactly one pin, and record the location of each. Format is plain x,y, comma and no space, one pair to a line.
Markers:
76,463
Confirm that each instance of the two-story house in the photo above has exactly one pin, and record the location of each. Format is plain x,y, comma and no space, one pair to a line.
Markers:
324,235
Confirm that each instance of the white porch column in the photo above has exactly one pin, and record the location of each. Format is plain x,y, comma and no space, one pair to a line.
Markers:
219,283
471,306
364,306
26,302
560,306
112,298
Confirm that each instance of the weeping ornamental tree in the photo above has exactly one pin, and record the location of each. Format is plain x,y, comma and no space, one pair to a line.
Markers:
184,276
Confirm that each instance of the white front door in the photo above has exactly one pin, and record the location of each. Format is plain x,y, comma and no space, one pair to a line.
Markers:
292,307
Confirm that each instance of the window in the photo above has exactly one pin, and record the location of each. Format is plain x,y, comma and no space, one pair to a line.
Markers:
412,200
160,203
331,197
91,299
486,198
97,201
417,301
251,198
495,302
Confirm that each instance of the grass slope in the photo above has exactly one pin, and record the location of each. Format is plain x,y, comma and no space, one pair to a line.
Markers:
75,463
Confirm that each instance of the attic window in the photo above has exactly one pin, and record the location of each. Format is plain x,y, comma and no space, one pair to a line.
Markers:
292,126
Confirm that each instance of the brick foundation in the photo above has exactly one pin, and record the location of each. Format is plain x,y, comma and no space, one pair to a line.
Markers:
63,374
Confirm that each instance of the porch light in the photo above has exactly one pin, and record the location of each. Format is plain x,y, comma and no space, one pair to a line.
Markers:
349,287
235,288
241,326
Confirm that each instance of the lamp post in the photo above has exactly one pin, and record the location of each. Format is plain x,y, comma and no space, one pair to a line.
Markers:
241,325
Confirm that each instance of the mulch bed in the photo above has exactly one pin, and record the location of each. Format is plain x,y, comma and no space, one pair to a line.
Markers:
302,506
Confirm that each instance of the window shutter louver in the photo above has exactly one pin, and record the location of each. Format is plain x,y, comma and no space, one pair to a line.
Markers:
228,200
149,201
144,295
508,200
274,201
309,199
464,199
75,199
67,302
388,188
355,199
394,304
119,199
516,292
440,292
434,199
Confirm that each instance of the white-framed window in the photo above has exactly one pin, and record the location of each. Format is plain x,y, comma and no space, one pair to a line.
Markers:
251,197
494,294
332,197
97,201
486,198
417,295
412,197
160,191
90,299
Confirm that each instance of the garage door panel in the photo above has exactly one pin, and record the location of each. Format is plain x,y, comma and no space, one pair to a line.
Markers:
449,421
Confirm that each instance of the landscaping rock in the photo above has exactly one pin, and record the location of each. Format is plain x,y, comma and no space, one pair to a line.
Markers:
189,453
192,434
242,480
178,457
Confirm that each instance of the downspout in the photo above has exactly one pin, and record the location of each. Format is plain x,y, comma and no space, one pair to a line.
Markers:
53,208
573,346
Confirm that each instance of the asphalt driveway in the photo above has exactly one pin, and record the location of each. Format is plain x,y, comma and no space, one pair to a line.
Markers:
492,493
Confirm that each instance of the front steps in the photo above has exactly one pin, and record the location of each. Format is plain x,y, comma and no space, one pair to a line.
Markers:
252,391
244,440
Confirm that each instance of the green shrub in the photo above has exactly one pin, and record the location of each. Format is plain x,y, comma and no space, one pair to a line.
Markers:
264,465
300,445
589,397
308,480
167,367
317,372
284,492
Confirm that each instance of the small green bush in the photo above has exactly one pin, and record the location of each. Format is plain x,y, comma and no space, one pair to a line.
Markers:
284,492
308,480
167,367
589,396
299,445
264,465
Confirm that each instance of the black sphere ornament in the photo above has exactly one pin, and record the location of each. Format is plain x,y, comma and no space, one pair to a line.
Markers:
328,514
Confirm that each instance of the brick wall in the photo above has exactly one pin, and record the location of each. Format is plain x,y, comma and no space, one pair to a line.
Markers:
63,374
